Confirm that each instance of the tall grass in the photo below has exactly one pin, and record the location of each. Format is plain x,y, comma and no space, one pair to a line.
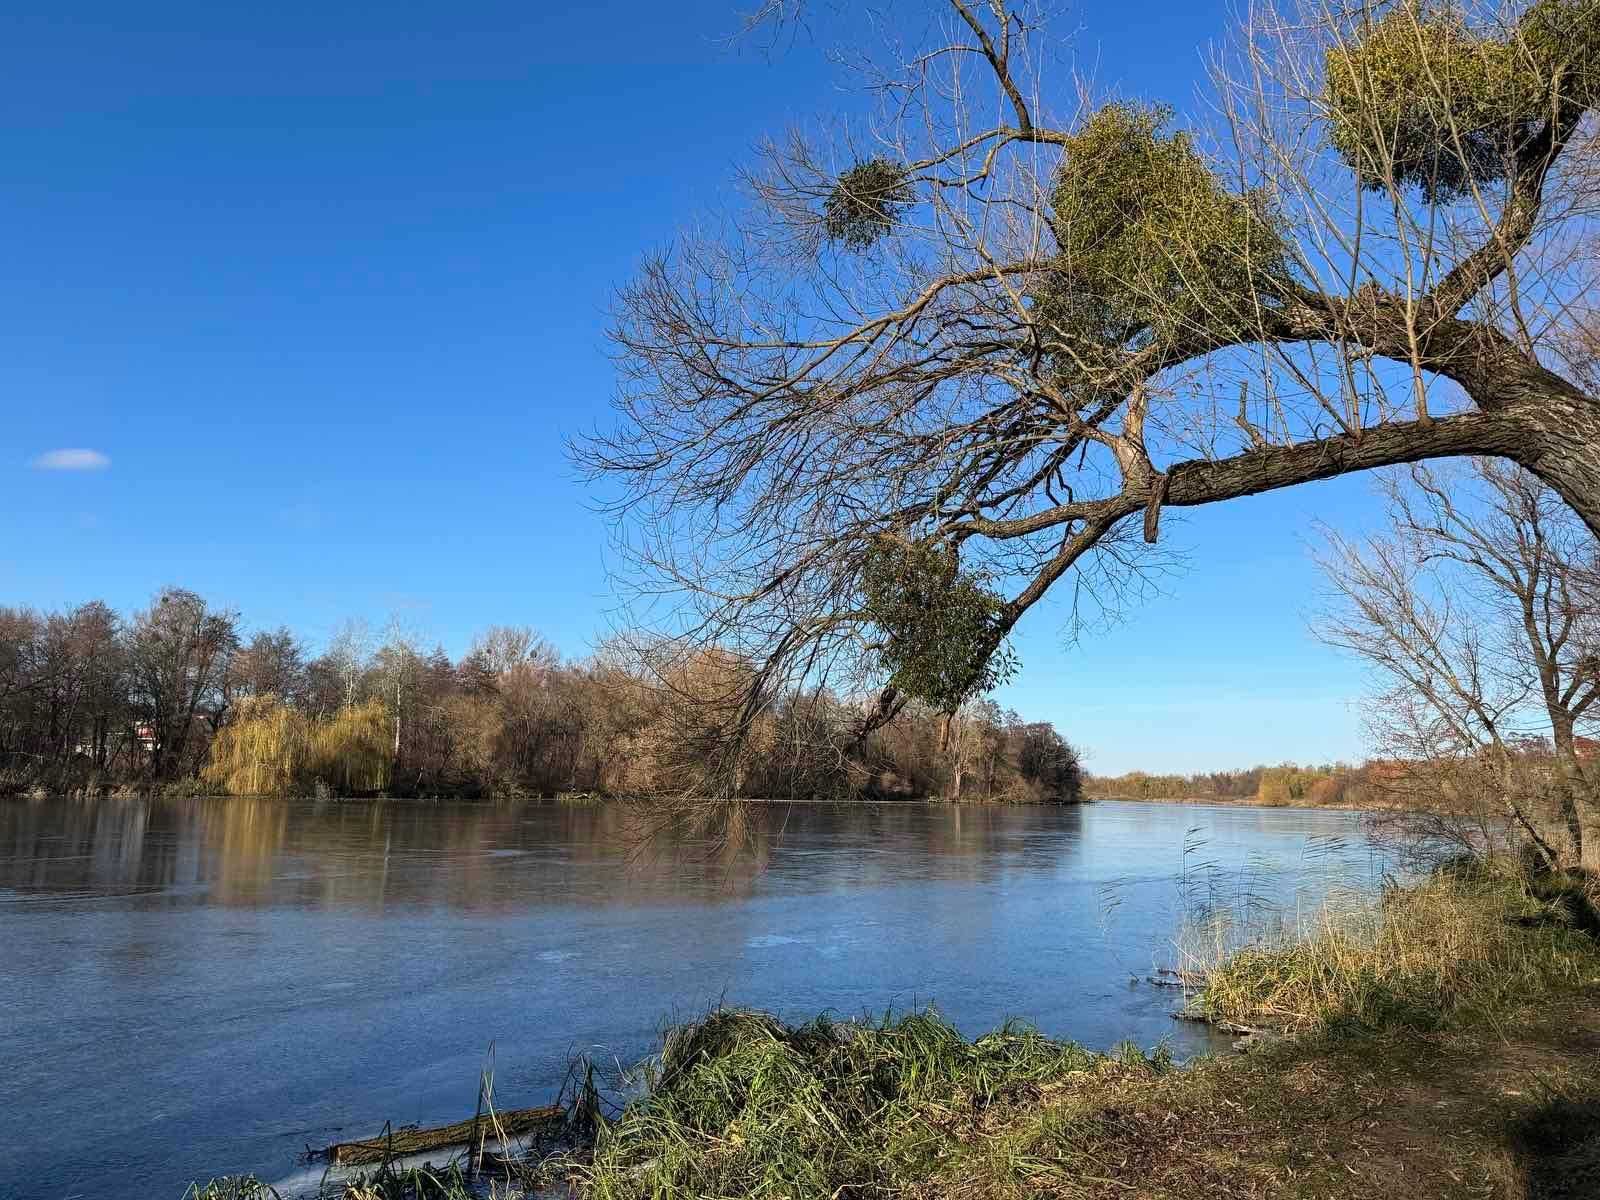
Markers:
741,1104
232,1187
427,1182
1469,942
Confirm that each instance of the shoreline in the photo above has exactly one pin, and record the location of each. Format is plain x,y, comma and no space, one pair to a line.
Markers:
562,798
1451,1051
1458,1046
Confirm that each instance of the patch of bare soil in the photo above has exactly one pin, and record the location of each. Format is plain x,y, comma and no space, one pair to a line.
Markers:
1514,1116
1480,1116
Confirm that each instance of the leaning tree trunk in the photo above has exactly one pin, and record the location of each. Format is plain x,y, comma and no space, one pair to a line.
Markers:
1570,784
1560,434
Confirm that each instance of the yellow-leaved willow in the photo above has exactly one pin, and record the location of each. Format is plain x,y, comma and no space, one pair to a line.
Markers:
272,749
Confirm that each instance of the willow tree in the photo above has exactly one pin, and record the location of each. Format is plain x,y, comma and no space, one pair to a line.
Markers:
1008,325
262,751
351,751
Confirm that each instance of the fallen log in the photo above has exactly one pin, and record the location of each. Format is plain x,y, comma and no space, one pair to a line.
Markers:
1188,980
1220,1024
397,1143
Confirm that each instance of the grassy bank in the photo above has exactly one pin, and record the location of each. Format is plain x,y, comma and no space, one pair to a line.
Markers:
1444,1042
1472,945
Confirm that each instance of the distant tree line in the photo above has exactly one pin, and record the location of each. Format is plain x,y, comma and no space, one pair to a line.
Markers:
178,696
1330,784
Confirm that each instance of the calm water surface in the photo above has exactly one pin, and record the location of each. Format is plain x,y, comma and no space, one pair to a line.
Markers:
198,987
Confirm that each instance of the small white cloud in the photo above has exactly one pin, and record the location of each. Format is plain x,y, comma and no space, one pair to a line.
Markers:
72,460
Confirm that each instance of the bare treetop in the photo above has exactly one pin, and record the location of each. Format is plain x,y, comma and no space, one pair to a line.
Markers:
1012,323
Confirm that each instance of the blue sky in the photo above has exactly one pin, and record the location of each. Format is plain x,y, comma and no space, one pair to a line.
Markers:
326,283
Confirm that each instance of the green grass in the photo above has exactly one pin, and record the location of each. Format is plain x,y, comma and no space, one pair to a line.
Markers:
388,1182
741,1104
426,1182
1403,1008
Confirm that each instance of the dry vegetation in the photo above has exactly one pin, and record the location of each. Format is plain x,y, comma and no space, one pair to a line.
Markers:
1473,941
1334,785
177,697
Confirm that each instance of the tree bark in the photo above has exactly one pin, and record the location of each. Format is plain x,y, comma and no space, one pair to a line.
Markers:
1524,413
1570,784
1563,447
1273,467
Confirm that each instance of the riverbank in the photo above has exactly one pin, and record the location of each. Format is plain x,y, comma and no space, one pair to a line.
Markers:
1448,1046
191,789
1444,1043
1399,1113
1353,1114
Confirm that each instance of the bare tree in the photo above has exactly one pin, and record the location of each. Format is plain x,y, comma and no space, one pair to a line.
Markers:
502,649
1008,329
1481,616
272,663
178,655
398,666
346,657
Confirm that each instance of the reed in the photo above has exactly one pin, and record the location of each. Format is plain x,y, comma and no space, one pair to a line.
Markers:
1470,942
232,1187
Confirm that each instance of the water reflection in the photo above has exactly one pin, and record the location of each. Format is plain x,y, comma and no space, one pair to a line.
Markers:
374,855
222,982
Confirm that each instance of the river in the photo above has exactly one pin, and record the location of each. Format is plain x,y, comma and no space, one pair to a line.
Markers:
198,987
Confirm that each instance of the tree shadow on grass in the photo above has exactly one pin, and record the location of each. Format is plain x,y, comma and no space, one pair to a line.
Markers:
1556,1144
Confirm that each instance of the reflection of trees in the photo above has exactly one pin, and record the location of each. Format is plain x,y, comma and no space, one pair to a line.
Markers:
506,857
78,845
242,839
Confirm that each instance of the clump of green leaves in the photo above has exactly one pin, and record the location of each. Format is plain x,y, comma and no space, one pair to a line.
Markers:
1562,40
944,640
866,202
1151,244
1429,99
